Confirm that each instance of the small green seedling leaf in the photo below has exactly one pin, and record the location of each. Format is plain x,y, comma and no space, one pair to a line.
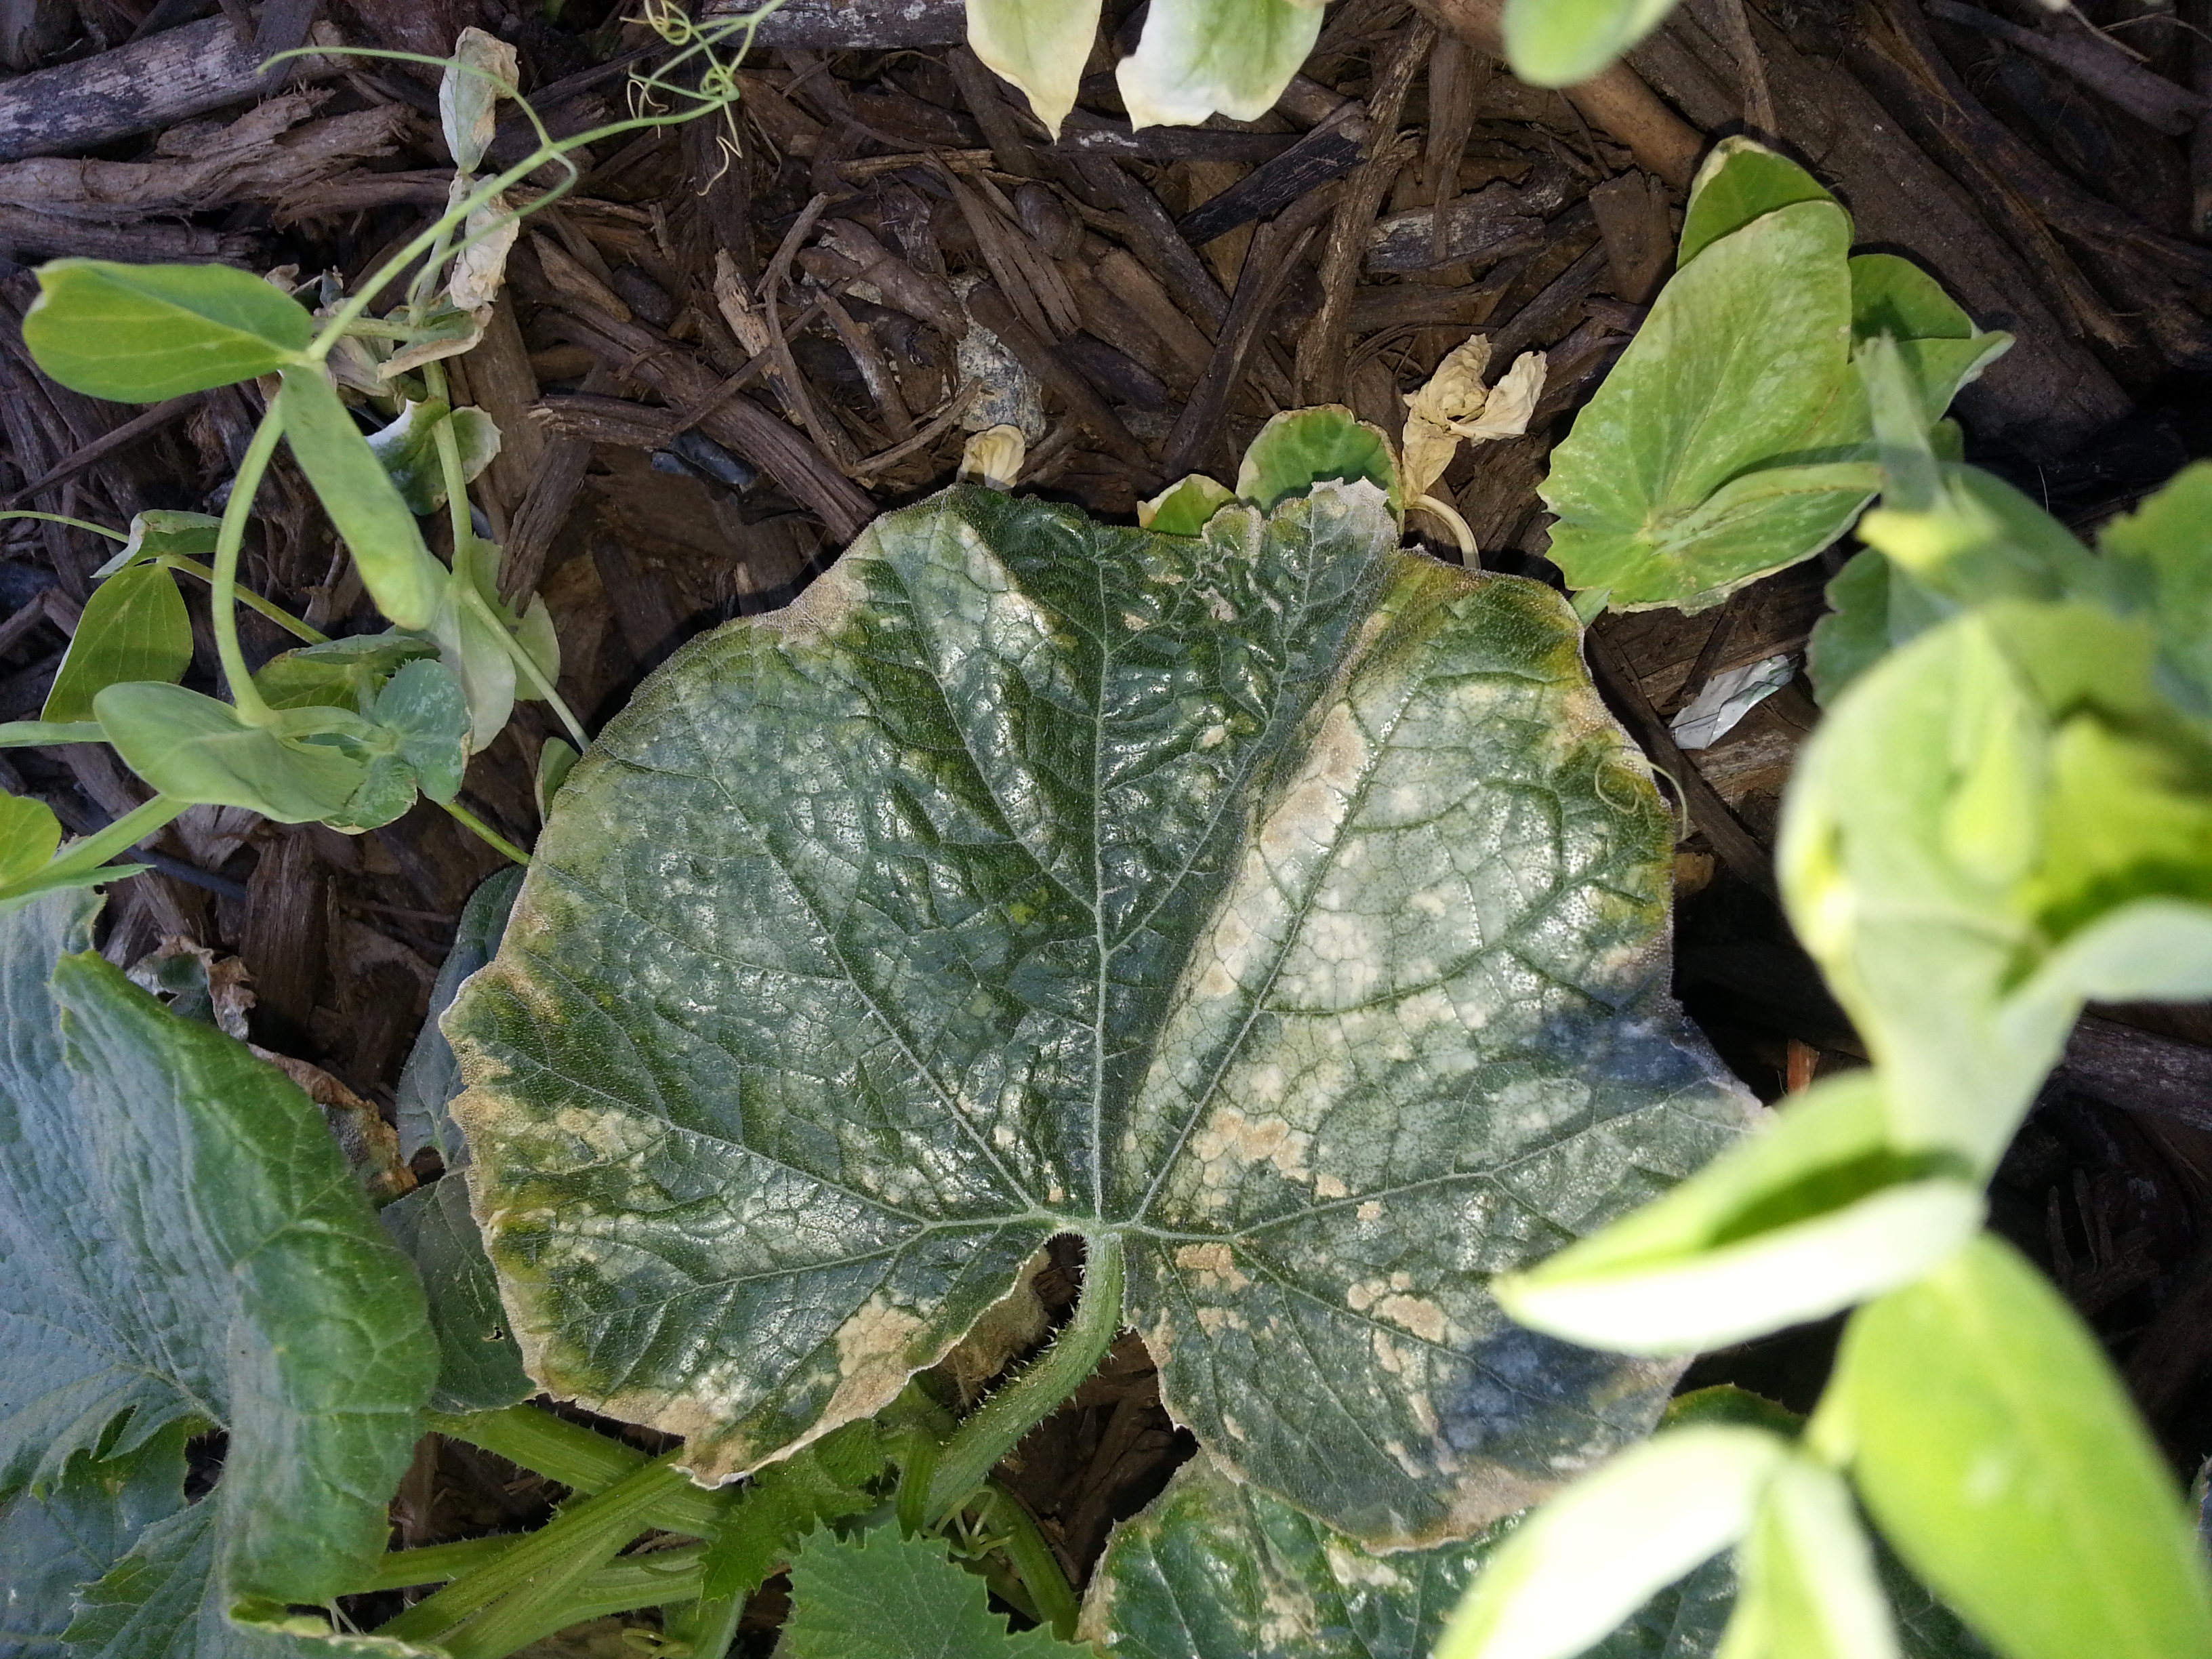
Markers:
1041,46
198,749
1992,1442
480,1362
29,834
409,449
1589,1559
1742,180
259,1291
541,643
135,627
1807,1587
60,1536
884,1596
339,674
1200,58
1182,509
1558,43
2158,562
1813,1214
398,570
1744,366
164,534
1300,448
424,707
1936,342
141,333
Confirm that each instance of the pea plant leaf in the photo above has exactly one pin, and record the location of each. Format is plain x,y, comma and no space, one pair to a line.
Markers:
1557,42
180,1239
134,628
1280,905
161,534
884,1596
198,748
1200,58
62,1534
380,531
1992,1442
141,333
1041,46
29,833
1744,366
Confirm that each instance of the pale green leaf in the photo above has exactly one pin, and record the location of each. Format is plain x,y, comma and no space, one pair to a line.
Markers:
541,643
1558,43
473,651
1813,1214
1993,1444
134,628
180,1239
199,749
1300,448
379,530
141,333
883,1597
161,534
408,448
1283,904
29,833
1739,181
556,760
2158,561
479,1368
1201,57
1806,1574
339,674
61,1535
1041,46
1593,1554
1973,803
1184,508
1743,366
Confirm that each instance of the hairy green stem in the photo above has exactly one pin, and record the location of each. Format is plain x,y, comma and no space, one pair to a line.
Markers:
484,832
224,599
982,1439
654,1579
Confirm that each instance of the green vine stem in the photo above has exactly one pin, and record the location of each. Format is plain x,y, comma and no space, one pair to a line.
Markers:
484,832
223,598
246,597
549,1563
988,1436
82,857
578,1458
1026,1546
74,524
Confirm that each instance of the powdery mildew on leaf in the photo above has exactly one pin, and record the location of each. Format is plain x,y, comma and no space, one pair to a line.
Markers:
1285,904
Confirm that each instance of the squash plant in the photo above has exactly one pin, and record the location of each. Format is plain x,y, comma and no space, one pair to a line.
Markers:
1275,912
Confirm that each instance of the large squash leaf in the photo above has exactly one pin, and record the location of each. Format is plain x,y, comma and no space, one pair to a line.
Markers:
58,1537
1283,905
180,1239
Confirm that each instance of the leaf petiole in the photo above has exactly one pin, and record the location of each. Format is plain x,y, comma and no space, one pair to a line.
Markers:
252,601
484,832
988,1436
223,582
82,857
74,524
